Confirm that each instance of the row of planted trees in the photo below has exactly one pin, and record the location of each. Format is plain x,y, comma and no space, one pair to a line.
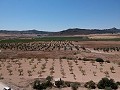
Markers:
108,49
42,67
37,46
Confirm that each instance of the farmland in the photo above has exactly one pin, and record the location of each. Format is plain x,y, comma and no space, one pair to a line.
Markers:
73,59
64,38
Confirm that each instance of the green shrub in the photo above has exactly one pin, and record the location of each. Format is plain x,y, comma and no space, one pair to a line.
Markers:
90,85
118,83
74,86
107,61
67,84
36,84
48,84
85,59
59,83
79,59
63,57
99,60
41,85
49,78
105,82
108,88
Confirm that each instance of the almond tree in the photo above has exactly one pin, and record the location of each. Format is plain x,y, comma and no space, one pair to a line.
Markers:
93,63
20,72
63,73
112,69
1,76
80,68
101,63
94,73
119,64
39,61
106,74
101,69
83,72
76,62
84,62
0,66
10,72
29,73
40,73
74,76
19,64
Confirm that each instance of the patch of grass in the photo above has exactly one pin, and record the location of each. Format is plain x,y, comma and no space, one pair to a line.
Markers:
82,38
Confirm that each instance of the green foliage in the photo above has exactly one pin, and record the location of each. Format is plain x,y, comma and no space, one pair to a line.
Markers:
41,85
118,83
49,78
74,86
63,57
105,82
108,88
36,84
99,60
67,83
107,61
48,84
59,83
90,85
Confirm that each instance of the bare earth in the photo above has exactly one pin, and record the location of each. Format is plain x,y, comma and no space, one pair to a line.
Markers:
32,65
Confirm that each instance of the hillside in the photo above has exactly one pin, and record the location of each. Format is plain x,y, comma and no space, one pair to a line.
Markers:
73,31
77,31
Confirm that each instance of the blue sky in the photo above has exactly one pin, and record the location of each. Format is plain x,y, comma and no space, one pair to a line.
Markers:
57,15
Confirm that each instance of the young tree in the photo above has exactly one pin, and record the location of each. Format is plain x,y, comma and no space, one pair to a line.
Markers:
20,72
29,73
94,73
112,69
106,74
83,72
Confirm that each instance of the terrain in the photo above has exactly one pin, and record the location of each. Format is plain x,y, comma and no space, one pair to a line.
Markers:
29,56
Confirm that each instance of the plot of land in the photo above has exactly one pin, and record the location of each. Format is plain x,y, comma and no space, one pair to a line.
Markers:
19,71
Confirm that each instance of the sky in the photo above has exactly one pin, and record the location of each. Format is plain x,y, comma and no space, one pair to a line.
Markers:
57,15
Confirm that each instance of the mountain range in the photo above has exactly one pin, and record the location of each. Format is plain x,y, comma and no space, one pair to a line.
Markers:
72,31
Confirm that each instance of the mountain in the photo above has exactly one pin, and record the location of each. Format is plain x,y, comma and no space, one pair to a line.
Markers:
24,32
77,31
73,31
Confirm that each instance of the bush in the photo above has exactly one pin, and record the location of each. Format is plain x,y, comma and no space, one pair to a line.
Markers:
36,84
108,88
67,84
90,85
59,83
107,61
49,84
114,86
99,60
41,85
85,59
79,59
63,57
118,83
49,78
105,82
74,86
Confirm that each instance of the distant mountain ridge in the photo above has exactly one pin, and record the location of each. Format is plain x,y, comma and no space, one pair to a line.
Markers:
73,31
23,32
77,31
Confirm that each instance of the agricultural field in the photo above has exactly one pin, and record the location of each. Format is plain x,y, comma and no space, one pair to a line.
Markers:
20,72
73,59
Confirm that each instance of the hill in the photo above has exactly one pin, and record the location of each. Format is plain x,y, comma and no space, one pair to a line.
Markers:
73,31
77,31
